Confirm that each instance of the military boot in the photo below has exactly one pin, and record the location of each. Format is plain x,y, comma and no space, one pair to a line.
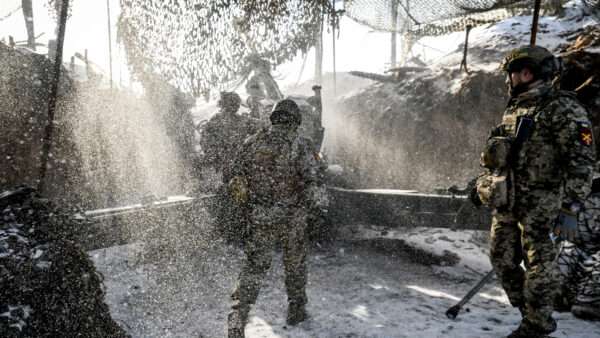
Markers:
235,326
586,311
527,330
296,314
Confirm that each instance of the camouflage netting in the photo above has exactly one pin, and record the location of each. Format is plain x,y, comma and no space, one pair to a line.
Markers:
198,44
48,285
428,17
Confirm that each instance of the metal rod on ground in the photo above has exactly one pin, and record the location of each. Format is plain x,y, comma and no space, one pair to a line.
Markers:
52,95
534,24
109,45
453,311
463,63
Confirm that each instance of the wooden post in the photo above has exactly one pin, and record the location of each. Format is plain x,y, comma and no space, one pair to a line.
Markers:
333,23
28,15
394,29
319,52
109,45
534,24
87,63
463,63
52,95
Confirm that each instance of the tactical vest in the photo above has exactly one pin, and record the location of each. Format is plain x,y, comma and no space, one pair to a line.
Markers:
519,155
273,173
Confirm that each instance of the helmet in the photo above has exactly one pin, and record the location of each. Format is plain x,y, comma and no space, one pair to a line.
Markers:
539,60
286,112
230,100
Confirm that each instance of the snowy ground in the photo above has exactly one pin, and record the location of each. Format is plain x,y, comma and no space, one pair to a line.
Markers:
356,289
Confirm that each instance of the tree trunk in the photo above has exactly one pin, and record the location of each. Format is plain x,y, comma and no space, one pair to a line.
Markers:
28,16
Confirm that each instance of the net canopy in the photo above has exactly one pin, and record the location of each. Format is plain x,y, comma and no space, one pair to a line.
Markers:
202,44
434,17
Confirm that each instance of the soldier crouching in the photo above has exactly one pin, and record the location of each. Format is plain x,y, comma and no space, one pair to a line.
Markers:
539,163
275,177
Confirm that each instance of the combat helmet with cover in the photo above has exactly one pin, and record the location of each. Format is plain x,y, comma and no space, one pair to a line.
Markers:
539,60
229,100
286,112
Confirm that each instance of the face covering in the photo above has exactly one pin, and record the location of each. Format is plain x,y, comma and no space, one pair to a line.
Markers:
517,90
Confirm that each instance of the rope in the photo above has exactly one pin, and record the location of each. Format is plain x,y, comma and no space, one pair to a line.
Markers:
10,13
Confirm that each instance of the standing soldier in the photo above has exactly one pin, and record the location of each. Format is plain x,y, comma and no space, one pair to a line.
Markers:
579,264
220,140
224,133
276,177
539,163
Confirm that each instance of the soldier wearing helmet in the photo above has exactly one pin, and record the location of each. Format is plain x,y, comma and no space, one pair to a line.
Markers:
276,175
220,139
538,169
224,133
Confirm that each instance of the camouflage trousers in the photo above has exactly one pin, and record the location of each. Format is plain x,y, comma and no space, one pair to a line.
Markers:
579,262
526,239
579,277
268,227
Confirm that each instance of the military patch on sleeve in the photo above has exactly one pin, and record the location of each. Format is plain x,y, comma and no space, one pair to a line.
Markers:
585,133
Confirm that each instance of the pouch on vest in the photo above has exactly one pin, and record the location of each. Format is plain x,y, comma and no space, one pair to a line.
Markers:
496,153
493,190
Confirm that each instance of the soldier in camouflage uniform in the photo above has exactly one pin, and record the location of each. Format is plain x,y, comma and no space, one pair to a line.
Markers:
276,177
224,133
579,264
539,163
221,138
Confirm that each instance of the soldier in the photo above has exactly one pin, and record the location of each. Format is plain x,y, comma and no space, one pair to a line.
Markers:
539,163
221,138
579,264
224,133
276,176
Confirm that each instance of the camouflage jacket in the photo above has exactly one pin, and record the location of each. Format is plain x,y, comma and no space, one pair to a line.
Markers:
280,169
559,155
221,138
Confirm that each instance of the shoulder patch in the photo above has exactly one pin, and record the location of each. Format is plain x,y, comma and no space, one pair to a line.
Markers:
585,133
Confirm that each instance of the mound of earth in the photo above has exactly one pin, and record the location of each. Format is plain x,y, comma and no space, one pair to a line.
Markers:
48,285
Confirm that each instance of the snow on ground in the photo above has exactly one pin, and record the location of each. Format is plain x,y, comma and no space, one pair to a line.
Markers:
354,291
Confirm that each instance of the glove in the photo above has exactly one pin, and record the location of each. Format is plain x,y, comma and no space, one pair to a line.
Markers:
474,197
565,226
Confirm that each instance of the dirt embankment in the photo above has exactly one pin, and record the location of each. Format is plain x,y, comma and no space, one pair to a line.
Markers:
422,133
49,287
